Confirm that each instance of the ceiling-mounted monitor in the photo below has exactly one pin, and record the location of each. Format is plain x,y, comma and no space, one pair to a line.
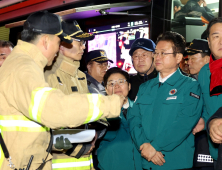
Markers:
117,39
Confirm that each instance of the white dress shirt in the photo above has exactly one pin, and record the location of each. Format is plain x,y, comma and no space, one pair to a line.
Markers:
162,80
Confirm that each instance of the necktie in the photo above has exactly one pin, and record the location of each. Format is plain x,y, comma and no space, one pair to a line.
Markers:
124,112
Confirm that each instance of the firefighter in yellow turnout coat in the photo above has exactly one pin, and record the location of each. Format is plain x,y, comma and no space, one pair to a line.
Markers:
29,106
66,76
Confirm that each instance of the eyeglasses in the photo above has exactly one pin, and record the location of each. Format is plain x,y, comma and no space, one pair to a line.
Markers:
2,54
142,56
82,42
105,64
120,82
161,54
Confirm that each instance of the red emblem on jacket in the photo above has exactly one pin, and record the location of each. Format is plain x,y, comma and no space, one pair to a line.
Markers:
173,91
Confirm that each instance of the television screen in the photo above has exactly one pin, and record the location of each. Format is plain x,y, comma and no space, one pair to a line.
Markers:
117,39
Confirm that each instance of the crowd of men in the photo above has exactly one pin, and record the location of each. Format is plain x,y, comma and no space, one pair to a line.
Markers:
172,105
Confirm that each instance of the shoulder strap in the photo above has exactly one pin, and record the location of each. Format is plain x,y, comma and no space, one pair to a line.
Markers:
49,149
4,148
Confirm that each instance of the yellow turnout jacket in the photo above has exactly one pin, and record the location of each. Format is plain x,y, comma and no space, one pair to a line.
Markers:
29,107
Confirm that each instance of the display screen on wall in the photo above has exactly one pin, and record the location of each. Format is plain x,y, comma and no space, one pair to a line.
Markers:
117,39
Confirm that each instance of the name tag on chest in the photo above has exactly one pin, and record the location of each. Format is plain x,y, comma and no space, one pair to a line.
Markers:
171,98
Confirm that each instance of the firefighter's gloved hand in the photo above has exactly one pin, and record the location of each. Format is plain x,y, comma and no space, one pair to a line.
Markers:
62,143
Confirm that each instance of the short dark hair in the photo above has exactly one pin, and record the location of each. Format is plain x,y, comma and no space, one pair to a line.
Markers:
176,3
28,35
4,43
179,43
211,23
204,35
115,70
89,63
204,54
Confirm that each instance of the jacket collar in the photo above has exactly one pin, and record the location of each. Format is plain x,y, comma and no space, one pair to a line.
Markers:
94,82
171,80
130,102
33,51
67,65
149,76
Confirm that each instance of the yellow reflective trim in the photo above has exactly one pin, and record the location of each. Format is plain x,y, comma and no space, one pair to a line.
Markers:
14,117
32,102
91,108
45,95
38,98
18,123
81,159
76,168
94,104
59,32
83,163
100,112
24,129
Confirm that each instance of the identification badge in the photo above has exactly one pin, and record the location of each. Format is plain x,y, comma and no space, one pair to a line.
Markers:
171,98
194,95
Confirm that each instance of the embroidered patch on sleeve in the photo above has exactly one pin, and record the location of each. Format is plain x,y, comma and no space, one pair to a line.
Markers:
74,88
83,78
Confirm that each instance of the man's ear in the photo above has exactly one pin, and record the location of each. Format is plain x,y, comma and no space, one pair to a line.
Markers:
61,48
89,68
207,59
208,42
129,86
45,41
179,57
